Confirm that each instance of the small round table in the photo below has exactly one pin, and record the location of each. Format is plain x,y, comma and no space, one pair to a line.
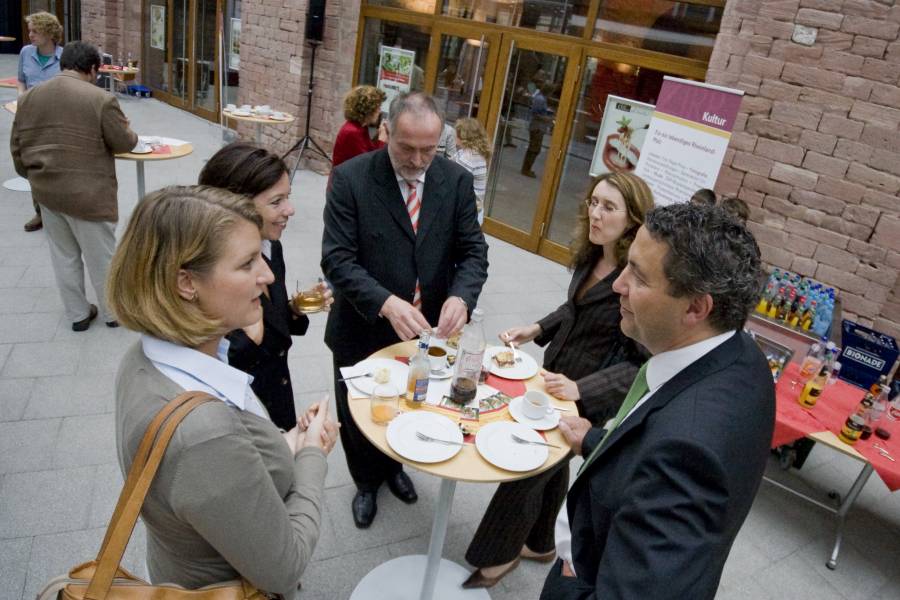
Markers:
140,159
442,578
260,121
127,74
7,38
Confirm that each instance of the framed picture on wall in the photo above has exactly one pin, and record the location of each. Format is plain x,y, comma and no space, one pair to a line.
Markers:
234,45
158,27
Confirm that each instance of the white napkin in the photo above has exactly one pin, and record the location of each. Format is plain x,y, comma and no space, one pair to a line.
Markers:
165,141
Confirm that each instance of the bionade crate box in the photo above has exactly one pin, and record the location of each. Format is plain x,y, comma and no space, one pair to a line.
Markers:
867,354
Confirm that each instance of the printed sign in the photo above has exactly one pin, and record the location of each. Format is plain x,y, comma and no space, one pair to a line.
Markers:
621,136
395,72
234,45
687,139
158,27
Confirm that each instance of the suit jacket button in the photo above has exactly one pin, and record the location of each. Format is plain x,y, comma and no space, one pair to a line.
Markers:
282,353
284,381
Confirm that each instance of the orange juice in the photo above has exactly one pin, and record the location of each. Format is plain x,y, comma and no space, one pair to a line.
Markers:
383,413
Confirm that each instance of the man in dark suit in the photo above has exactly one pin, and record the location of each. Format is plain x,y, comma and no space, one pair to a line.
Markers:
402,250
667,484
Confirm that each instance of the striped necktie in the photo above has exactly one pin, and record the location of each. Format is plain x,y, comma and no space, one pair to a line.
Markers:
412,207
639,387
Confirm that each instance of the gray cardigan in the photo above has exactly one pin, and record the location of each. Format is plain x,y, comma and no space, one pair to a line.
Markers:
228,499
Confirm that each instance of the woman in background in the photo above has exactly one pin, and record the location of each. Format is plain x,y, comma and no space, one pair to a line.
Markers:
261,349
362,109
589,361
38,62
234,496
474,154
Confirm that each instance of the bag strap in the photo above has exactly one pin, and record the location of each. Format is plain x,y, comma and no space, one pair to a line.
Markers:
140,458
119,532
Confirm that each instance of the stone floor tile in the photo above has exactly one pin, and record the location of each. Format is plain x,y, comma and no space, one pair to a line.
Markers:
36,327
70,395
42,359
745,590
10,276
107,485
43,502
5,351
745,562
38,276
27,445
18,300
14,395
792,577
14,555
335,578
856,577
87,440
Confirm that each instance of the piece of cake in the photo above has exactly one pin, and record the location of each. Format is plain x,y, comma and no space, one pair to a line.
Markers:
504,358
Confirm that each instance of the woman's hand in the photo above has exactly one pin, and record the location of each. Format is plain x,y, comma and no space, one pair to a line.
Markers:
560,386
294,439
322,431
520,335
383,132
255,332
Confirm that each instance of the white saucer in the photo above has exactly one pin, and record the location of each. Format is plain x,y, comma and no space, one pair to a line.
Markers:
146,150
444,373
545,423
240,113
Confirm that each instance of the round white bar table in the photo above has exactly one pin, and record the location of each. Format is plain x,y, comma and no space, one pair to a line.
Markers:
140,159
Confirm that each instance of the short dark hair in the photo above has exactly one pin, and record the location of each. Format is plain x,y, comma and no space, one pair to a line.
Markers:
418,103
704,196
79,56
243,168
710,252
737,206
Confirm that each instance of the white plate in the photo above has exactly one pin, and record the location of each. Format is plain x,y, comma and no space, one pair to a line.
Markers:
401,436
494,443
274,118
399,374
444,373
524,369
549,421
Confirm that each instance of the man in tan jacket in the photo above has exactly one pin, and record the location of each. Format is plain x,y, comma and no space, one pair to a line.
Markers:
64,138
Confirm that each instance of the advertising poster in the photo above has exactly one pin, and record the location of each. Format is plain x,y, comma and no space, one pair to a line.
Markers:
234,45
687,138
158,27
621,136
395,72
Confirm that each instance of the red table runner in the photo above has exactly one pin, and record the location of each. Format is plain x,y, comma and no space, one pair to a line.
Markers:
838,400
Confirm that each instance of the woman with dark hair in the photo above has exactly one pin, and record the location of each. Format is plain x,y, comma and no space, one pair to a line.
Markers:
261,349
589,360
362,109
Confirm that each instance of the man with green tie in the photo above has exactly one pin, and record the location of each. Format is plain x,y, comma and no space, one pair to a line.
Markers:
666,485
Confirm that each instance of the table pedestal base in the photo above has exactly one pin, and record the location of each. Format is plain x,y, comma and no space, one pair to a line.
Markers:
401,579
17,184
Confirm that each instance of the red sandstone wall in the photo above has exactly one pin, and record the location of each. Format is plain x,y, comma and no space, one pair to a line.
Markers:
816,151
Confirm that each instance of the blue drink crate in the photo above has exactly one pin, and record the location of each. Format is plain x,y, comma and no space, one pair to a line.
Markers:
141,91
867,354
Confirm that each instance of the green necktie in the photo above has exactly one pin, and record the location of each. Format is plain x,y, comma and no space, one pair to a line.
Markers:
637,391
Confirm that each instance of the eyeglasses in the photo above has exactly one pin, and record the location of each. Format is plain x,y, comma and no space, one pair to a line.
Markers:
593,203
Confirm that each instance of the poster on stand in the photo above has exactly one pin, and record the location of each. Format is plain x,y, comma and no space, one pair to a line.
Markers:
395,72
621,136
687,138
234,45
158,27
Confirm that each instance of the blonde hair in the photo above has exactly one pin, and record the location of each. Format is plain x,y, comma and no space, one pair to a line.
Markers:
362,101
472,136
46,24
178,227
638,202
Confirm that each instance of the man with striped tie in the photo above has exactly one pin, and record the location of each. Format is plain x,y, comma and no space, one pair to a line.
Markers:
403,252
666,485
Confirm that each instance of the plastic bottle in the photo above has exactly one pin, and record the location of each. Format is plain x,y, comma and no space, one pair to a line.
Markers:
419,370
812,362
880,406
469,360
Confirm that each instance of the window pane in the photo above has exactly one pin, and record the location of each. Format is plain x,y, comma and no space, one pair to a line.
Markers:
555,16
460,76
380,33
601,78
422,6
679,28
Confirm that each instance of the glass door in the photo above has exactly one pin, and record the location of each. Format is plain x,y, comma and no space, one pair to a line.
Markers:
531,95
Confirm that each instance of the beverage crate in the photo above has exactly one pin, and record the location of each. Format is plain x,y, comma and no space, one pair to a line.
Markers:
867,354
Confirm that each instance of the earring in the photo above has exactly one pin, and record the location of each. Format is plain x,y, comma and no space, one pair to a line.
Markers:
194,296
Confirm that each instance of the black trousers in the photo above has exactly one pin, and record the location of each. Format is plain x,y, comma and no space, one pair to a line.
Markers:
535,143
368,465
521,513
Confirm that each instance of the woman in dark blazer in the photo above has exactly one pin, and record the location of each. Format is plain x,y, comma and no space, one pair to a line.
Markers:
589,360
261,349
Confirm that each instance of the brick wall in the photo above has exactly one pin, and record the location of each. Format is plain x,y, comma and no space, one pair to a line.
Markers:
272,35
816,150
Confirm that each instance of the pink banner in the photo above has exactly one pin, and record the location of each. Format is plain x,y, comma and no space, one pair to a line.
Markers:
701,104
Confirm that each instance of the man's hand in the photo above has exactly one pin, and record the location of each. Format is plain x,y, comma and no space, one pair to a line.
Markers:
453,317
574,429
561,386
405,318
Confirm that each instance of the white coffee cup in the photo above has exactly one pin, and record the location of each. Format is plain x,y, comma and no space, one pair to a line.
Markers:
246,107
230,107
437,358
536,405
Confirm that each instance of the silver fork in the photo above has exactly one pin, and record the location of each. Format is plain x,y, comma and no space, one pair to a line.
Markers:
519,440
428,438
356,376
516,357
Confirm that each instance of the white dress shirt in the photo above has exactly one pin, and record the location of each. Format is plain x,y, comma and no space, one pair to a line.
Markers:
660,369
195,371
404,187
266,249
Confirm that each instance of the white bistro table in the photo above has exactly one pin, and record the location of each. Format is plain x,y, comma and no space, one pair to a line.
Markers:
176,151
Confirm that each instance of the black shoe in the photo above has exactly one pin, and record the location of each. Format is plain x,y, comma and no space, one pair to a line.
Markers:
34,224
402,487
529,173
83,324
112,324
364,508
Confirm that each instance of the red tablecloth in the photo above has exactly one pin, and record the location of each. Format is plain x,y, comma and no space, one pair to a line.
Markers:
838,400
